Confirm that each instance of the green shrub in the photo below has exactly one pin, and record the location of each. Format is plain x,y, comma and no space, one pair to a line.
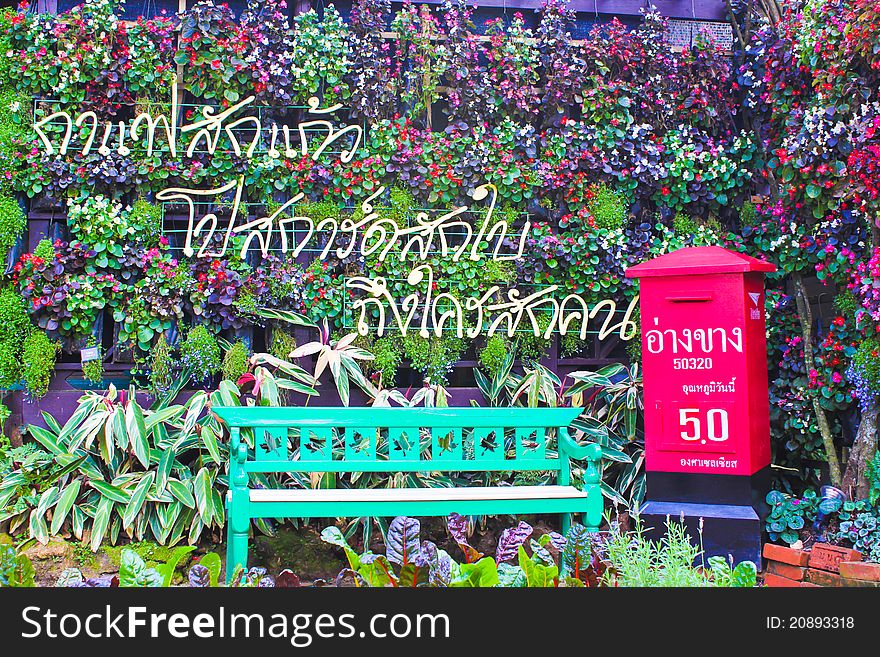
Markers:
201,352
10,363
4,415
571,344
636,560
872,474
235,361
387,359
15,326
14,320
282,343
93,370
608,207
433,357
748,215
402,206
317,210
684,224
12,221
161,375
38,363
493,354
45,250
146,219
530,347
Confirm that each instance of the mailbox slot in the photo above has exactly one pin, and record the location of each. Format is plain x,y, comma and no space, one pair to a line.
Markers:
694,297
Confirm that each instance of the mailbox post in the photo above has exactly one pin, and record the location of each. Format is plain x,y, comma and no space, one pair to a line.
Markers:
704,362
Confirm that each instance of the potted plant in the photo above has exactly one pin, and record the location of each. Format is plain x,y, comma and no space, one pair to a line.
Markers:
200,352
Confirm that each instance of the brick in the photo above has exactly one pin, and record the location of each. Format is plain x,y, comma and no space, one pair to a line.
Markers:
775,581
860,583
786,555
860,570
786,570
823,577
828,557
810,585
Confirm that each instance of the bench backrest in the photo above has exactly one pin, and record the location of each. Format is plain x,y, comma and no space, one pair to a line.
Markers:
301,439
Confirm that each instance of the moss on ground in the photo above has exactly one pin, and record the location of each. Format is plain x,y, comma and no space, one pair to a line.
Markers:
149,551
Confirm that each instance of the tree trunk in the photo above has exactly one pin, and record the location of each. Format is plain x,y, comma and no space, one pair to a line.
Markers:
864,447
805,315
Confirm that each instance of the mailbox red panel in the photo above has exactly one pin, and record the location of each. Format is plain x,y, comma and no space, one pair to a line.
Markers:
704,356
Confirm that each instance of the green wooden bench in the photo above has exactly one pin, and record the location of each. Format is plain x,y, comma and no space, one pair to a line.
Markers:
314,439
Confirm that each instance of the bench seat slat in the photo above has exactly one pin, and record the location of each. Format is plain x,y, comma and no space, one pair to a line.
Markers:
404,495
317,416
392,508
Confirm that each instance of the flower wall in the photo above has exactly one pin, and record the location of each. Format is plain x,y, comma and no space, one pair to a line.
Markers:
617,147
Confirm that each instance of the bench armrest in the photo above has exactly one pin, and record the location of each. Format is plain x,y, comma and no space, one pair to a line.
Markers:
238,450
591,452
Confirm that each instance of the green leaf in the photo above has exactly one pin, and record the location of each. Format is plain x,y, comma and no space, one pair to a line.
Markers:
46,439
65,502
37,526
376,570
182,493
286,316
100,522
537,575
138,498
209,439
413,575
166,570
133,571
202,490
137,432
119,430
211,561
334,536
745,575
110,492
483,573
166,462
577,552
720,570
510,576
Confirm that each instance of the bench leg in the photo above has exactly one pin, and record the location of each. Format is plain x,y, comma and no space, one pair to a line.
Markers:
566,523
236,552
595,506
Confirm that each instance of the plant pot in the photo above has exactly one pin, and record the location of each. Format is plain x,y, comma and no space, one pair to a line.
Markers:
14,253
172,335
57,231
245,334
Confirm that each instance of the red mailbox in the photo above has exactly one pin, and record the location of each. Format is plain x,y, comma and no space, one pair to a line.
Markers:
704,362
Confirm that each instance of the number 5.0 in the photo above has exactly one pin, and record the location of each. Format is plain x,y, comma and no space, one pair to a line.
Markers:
717,424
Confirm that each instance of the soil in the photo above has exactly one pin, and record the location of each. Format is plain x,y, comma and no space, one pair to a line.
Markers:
298,548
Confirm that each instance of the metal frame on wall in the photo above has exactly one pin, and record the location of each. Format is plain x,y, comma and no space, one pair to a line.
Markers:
63,395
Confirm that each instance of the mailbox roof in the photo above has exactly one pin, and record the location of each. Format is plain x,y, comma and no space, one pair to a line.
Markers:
695,260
